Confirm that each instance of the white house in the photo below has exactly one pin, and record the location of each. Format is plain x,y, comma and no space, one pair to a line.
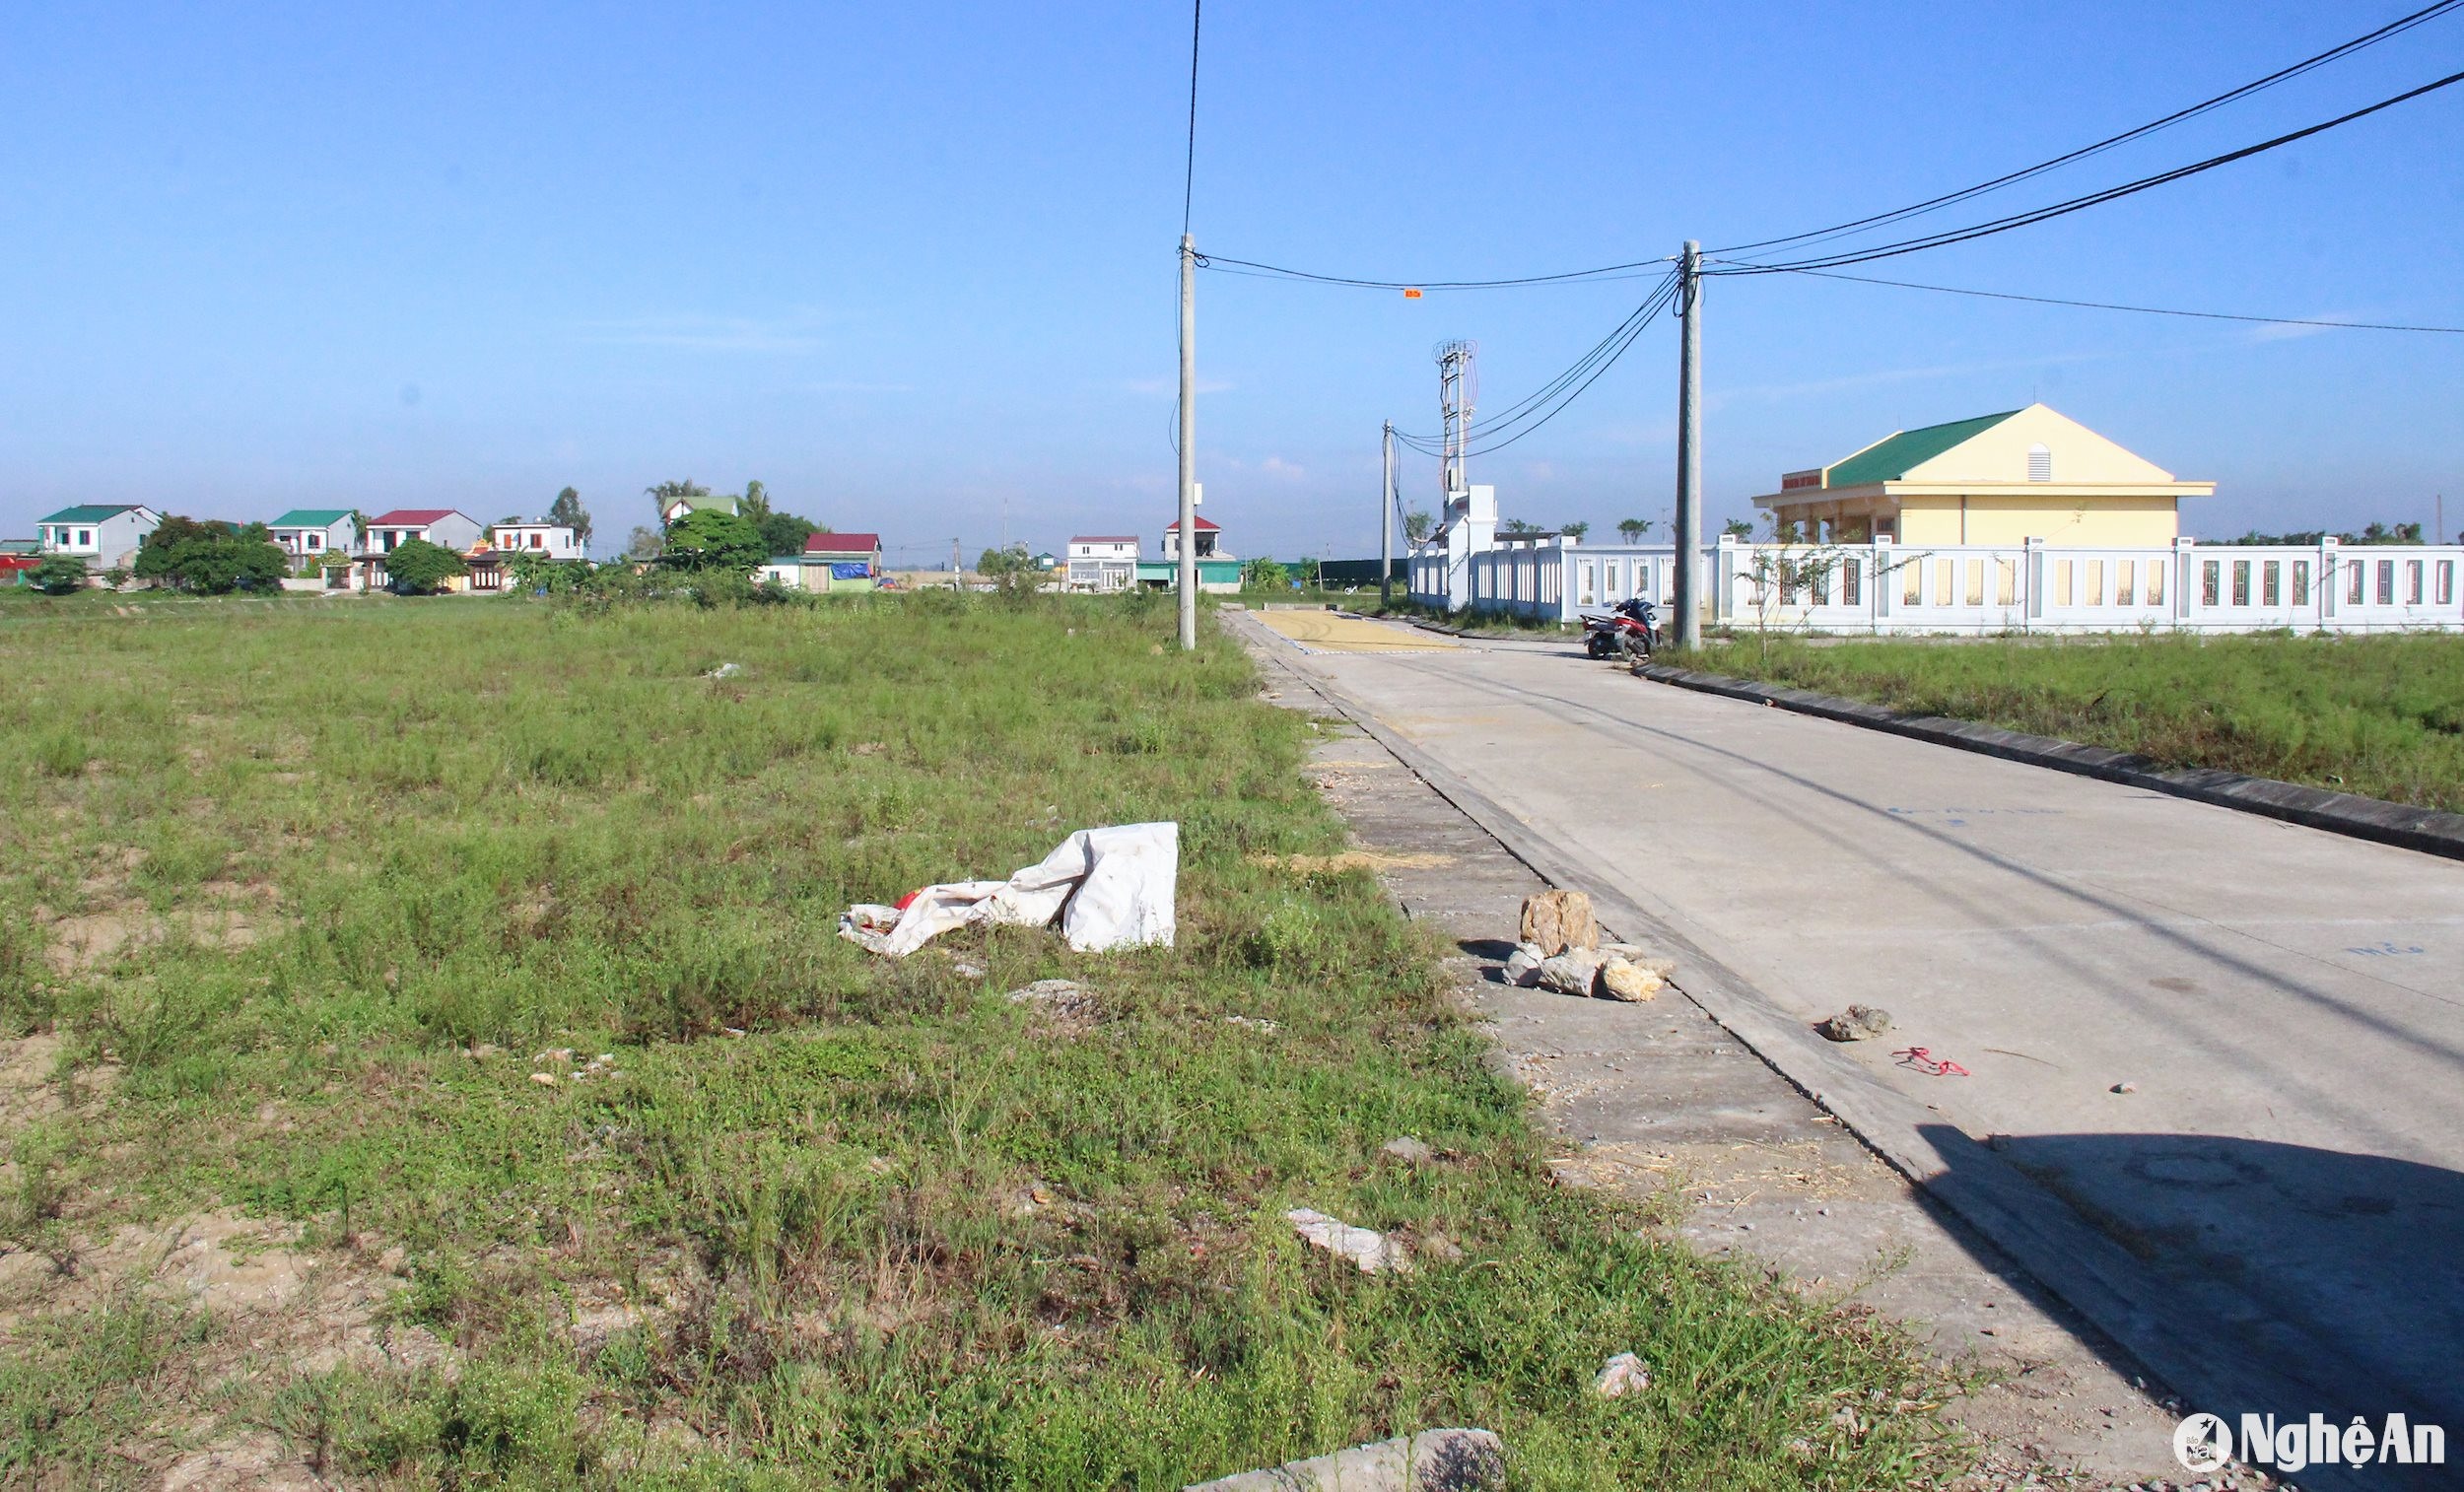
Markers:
678,507
555,541
1103,562
308,534
1210,540
106,535
389,532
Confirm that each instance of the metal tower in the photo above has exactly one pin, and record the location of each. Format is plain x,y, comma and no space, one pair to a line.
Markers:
1458,389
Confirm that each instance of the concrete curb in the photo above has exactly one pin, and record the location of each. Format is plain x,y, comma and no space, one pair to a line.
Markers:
2427,830
2038,1230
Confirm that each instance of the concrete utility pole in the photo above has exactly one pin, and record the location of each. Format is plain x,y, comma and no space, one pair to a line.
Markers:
1385,524
1189,443
1689,448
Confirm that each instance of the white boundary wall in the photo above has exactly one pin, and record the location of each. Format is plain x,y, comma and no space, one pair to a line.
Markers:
1882,588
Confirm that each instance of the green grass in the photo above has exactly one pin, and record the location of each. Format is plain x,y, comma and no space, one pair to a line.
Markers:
914,1239
2382,716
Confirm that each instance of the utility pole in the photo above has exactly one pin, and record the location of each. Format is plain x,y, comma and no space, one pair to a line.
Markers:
958,577
1689,448
1385,524
1189,443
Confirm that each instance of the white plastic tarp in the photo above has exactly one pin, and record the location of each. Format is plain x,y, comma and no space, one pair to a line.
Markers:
1109,888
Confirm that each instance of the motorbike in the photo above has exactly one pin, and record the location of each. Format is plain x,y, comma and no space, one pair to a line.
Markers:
1631,627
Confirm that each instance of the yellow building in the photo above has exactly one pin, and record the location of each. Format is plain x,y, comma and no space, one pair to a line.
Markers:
1996,479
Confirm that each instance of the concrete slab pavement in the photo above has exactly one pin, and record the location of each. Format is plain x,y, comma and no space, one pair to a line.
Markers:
2273,1197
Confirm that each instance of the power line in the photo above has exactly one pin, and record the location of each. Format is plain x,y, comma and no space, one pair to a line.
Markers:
2093,199
2369,39
1564,389
2147,311
1188,170
1219,263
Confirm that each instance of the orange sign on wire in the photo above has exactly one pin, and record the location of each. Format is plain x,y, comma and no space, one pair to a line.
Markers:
1409,294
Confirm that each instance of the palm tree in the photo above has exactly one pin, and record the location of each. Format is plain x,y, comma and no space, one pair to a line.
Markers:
1633,529
1574,531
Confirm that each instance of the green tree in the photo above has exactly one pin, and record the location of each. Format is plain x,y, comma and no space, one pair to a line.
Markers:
785,532
537,572
1518,525
1574,531
754,506
568,510
645,543
1742,528
1308,572
708,539
58,575
1265,575
1633,530
210,557
1418,525
994,563
418,567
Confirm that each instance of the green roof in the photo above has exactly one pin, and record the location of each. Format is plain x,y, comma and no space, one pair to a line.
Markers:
311,518
89,512
1892,460
725,502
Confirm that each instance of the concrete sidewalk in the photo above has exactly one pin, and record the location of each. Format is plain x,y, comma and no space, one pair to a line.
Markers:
2268,1212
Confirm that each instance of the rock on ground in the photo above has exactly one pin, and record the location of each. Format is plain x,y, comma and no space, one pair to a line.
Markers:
1557,921
1621,1375
1409,1150
259,1463
1856,1023
1570,973
1371,1250
1523,964
1623,978
1434,1460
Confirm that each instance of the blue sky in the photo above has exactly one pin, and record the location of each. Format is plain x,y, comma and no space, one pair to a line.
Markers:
911,266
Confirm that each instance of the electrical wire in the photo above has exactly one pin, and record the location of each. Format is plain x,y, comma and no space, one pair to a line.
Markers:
2369,39
2145,310
1559,391
1188,170
1638,269
2091,199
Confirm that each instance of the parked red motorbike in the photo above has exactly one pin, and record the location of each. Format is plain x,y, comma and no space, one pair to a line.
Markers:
1630,628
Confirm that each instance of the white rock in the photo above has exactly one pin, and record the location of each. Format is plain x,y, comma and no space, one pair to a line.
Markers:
1371,1250
1621,1375
1570,973
1523,964
1434,1460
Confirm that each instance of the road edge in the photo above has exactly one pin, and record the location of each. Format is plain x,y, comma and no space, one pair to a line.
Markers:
2429,831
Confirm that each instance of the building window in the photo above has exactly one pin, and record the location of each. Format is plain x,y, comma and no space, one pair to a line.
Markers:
1849,582
2039,463
85,537
2269,575
2156,583
2386,582
2123,579
2353,582
315,541
2412,582
2096,582
2006,582
2446,582
2301,583
2242,582
2062,582
2210,581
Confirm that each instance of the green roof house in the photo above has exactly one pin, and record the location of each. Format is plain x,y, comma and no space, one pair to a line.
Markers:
309,534
105,535
678,507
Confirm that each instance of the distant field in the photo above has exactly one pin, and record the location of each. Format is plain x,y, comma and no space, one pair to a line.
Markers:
298,899
2379,716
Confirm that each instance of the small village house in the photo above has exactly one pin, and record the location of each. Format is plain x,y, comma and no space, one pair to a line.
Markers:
1994,479
725,502
307,535
441,526
843,561
17,557
1210,540
1103,562
553,541
106,535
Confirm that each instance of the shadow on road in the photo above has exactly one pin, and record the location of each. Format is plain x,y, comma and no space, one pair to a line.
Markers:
2342,1274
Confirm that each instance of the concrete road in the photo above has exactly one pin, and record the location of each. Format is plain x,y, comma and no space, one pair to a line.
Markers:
2282,1008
